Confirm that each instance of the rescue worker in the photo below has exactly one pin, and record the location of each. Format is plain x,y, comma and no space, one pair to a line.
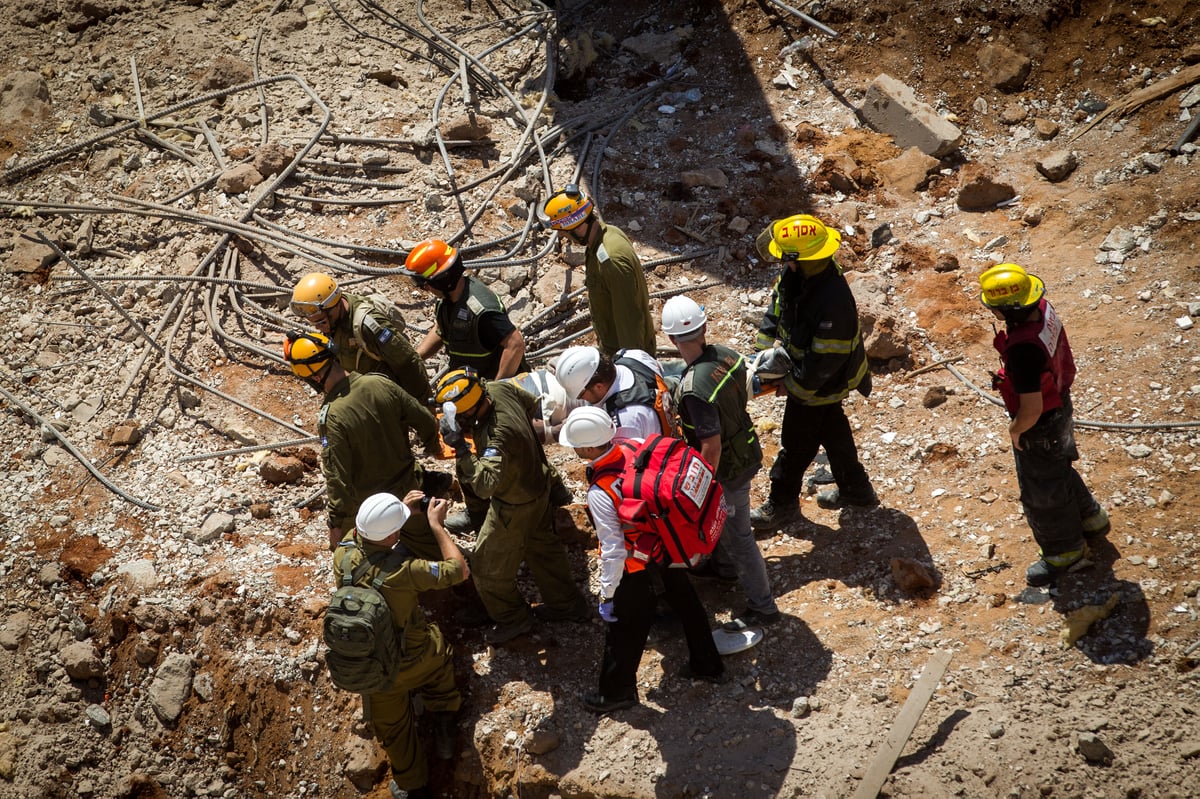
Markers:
814,317
553,402
711,397
1035,382
469,319
363,426
630,387
618,298
509,470
427,669
367,338
630,587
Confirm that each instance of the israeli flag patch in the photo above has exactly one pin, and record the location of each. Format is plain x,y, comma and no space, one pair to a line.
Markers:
384,336
435,569
324,441
491,452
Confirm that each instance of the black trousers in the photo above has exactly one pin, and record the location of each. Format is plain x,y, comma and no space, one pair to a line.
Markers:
807,428
1054,496
634,604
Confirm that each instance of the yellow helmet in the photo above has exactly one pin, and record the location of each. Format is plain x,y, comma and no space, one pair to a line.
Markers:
566,209
801,237
316,292
1010,286
308,353
463,387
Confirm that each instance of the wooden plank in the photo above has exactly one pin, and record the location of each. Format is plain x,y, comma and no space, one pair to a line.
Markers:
906,722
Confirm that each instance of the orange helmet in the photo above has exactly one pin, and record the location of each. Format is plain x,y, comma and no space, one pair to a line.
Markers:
801,237
434,261
567,209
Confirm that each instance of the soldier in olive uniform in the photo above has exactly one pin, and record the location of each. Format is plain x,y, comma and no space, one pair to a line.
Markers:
616,283
470,320
711,398
509,469
427,668
367,338
363,426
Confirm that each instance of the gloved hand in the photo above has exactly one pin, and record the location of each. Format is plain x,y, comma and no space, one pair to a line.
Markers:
451,433
606,610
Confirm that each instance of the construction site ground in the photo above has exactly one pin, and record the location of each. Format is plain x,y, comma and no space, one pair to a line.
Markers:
160,611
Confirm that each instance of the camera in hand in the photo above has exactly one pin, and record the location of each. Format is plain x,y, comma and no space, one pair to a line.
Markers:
425,503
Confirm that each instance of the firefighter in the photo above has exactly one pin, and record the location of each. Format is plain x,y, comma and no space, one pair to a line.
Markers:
629,586
1035,382
368,337
631,388
812,314
364,425
508,470
616,283
469,319
711,397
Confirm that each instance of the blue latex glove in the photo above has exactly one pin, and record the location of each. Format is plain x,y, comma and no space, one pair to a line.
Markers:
606,610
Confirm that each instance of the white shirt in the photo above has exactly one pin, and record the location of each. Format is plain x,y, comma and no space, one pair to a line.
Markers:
634,421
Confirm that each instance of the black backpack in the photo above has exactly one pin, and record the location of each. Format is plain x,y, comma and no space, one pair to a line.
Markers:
365,646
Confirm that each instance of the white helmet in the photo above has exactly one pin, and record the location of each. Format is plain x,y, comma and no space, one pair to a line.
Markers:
682,318
575,368
587,427
379,516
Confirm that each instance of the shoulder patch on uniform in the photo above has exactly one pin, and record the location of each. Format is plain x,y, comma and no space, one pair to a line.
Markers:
475,305
324,442
435,569
383,336
602,253
321,416
491,452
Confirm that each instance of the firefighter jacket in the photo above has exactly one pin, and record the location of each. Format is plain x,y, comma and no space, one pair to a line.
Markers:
508,463
363,427
718,377
370,340
816,320
458,323
1049,335
617,294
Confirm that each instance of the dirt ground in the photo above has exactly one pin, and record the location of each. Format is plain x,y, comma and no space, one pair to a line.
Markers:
150,345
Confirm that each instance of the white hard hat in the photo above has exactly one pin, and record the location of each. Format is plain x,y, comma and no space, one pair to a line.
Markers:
379,516
575,368
587,427
682,318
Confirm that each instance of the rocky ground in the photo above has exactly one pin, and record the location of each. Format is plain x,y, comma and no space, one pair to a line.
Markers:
163,551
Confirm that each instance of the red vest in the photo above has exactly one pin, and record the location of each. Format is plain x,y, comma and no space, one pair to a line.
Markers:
603,473
1050,336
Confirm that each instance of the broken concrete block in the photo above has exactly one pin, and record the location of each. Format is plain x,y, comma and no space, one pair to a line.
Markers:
909,172
1058,165
891,107
1003,67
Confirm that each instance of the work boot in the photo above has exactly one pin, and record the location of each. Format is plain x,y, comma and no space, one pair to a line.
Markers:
599,703
1045,571
686,673
772,515
445,729
578,613
414,793
708,570
749,618
834,499
1097,525
503,633
463,523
